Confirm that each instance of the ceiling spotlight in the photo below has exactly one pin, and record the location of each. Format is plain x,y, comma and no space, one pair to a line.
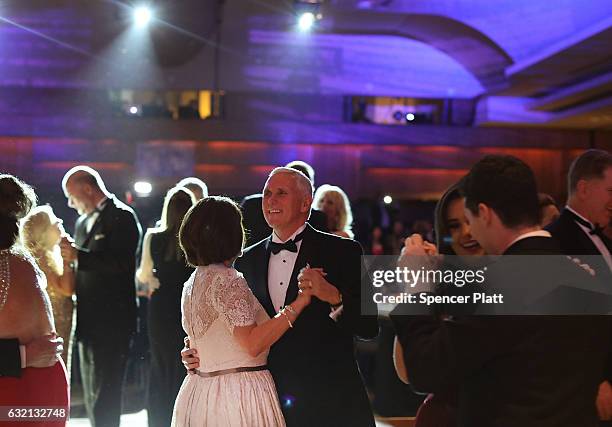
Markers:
306,21
387,199
143,188
410,117
133,109
142,16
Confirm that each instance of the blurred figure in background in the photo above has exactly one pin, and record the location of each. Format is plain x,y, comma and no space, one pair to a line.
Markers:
41,232
195,185
395,238
164,270
548,209
333,202
377,247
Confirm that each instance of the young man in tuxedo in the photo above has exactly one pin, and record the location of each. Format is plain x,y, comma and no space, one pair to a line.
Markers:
313,364
107,235
532,371
580,230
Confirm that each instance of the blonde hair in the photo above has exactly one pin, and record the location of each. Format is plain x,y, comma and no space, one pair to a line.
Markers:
32,231
344,220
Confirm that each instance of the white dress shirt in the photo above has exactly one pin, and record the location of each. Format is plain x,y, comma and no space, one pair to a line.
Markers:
92,217
280,268
601,247
537,233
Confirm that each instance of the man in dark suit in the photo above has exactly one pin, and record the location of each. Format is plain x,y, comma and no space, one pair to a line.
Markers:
509,370
313,364
254,221
41,352
579,230
107,235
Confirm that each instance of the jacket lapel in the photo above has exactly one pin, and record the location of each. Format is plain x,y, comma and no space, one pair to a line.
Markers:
583,244
261,289
96,224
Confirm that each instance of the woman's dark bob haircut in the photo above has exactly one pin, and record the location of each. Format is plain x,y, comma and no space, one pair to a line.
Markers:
212,231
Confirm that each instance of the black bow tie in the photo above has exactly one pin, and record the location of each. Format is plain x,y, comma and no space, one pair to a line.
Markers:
289,245
593,228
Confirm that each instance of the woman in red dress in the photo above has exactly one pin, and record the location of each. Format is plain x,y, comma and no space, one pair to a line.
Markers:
25,314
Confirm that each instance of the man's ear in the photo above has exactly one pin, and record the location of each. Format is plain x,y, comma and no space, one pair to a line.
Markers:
306,204
485,213
582,189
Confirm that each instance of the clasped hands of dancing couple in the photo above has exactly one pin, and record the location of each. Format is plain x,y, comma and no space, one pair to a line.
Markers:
311,282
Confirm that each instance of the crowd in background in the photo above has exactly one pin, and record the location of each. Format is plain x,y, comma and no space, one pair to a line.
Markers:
98,275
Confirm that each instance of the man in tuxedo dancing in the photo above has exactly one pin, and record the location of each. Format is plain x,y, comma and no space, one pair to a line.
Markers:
313,364
107,235
532,371
579,231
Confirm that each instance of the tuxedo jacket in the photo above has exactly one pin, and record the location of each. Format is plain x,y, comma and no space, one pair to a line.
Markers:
573,241
10,357
529,371
313,363
105,285
256,225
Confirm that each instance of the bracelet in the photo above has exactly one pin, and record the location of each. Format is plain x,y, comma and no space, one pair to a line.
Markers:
282,312
290,310
335,306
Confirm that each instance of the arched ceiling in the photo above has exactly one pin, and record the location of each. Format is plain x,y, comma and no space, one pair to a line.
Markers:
471,48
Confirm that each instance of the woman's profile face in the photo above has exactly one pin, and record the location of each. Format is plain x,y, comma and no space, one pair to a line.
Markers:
458,227
55,231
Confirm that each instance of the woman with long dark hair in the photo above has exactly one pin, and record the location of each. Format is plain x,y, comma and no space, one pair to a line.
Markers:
453,238
164,270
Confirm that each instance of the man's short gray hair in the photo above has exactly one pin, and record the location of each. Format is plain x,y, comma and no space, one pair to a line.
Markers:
302,182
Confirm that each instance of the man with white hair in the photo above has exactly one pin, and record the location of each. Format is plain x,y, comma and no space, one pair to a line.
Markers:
313,364
107,235
254,221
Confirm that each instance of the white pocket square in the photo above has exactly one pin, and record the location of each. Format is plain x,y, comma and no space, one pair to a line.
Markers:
99,236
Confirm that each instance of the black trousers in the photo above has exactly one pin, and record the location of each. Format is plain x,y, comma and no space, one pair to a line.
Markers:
102,364
167,371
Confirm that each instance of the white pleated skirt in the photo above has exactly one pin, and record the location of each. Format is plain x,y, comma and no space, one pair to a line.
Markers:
242,399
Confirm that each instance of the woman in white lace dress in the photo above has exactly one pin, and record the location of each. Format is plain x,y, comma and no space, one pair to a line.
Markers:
228,325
